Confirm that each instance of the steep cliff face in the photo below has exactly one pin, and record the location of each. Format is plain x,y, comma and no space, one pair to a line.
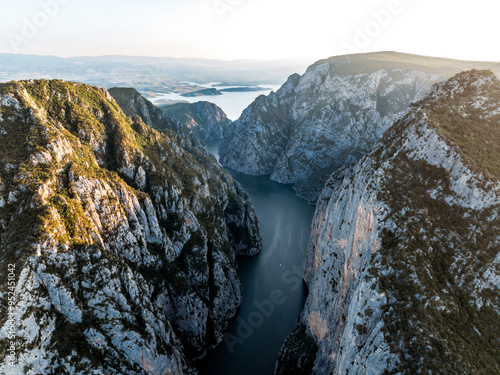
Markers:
122,239
403,265
206,119
329,117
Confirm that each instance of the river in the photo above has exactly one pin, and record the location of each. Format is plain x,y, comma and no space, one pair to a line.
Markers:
273,291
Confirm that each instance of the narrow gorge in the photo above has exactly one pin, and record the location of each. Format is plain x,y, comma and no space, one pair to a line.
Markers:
351,227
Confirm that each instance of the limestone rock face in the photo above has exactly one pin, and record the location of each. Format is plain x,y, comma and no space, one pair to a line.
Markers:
122,238
403,266
329,117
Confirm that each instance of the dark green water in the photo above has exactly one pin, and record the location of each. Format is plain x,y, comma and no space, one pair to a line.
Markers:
273,291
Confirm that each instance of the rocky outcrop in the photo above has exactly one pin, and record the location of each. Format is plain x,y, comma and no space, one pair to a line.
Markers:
205,119
121,239
403,266
330,116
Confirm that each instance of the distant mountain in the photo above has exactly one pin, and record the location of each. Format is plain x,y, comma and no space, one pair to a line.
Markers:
331,116
403,265
205,119
121,240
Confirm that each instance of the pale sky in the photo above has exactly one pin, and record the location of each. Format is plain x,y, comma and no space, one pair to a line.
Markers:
250,29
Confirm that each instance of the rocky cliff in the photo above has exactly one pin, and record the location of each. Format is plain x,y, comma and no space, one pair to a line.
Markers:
206,119
403,266
330,116
121,239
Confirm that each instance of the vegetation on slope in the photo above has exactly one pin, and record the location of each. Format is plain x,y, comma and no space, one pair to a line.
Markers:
475,136
434,319
371,62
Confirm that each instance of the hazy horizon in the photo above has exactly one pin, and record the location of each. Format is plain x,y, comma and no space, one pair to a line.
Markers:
291,59
167,57
260,30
